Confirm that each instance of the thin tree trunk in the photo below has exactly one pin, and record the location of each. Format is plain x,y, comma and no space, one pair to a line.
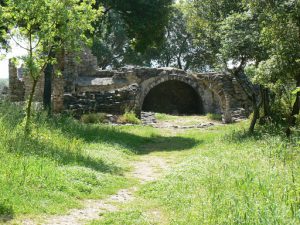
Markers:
295,111
29,105
266,105
255,117
179,63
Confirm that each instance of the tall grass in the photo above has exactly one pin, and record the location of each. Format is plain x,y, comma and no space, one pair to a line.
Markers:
64,160
49,170
234,179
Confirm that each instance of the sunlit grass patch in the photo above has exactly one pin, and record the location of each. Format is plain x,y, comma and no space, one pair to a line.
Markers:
244,181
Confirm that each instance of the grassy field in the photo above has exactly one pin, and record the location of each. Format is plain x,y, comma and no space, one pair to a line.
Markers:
218,175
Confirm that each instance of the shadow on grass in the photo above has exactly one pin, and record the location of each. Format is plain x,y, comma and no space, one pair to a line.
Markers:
260,132
62,155
91,134
135,143
6,213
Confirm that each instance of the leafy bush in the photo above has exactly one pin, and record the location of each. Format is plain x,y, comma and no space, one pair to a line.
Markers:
129,117
93,118
214,116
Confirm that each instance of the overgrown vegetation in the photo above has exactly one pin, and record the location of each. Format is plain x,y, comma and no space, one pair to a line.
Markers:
59,163
3,83
129,117
219,175
214,116
229,177
94,118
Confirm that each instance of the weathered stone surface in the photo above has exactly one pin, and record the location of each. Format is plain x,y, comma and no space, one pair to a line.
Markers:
20,85
85,88
16,84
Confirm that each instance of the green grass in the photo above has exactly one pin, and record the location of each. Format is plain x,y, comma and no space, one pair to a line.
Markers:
61,162
189,120
129,117
233,179
93,118
213,116
163,117
124,218
228,177
219,175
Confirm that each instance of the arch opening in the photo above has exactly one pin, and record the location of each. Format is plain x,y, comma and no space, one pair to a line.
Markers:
173,97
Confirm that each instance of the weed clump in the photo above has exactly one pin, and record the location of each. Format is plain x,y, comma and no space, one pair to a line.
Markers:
93,118
129,117
214,116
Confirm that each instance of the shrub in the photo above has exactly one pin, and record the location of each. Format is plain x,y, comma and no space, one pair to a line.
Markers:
93,118
129,117
213,116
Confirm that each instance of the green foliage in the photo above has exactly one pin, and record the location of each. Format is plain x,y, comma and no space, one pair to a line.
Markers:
129,117
93,118
3,28
213,116
3,83
260,35
144,20
49,28
112,45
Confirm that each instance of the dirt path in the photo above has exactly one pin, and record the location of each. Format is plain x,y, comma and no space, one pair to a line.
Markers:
147,169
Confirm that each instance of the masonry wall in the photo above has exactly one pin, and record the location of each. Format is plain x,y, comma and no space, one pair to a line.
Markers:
84,88
16,86
20,85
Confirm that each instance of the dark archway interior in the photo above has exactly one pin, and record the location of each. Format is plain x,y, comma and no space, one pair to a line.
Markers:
173,97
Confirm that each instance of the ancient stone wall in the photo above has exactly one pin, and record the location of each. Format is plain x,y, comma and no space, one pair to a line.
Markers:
39,90
84,88
16,85
115,91
20,85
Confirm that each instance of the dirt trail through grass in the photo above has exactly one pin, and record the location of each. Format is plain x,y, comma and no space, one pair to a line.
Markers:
146,169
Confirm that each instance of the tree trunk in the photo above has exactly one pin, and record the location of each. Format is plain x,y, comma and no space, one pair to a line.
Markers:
179,63
295,111
265,97
255,117
29,105
48,87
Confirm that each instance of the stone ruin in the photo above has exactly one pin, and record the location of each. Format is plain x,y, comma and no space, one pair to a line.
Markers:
85,88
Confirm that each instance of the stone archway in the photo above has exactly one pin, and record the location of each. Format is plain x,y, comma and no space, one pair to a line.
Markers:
189,88
173,97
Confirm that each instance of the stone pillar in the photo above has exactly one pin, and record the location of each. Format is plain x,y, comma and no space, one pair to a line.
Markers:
88,64
16,86
39,90
57,94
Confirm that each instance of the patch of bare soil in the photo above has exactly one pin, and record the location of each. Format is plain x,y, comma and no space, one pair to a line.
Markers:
148,169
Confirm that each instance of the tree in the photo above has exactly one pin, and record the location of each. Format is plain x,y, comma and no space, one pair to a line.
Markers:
3,28
229,33
144,20
47,26
114,49
112,45
178,49
280,28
